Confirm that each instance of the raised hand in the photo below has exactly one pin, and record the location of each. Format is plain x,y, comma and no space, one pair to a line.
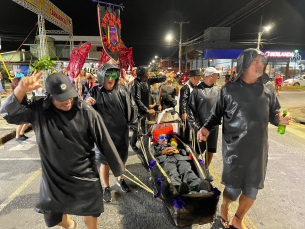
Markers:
30,83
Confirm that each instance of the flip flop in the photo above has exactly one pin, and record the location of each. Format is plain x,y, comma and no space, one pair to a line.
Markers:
219,223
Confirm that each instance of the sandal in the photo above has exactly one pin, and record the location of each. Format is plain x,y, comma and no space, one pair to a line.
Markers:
220,223
231,226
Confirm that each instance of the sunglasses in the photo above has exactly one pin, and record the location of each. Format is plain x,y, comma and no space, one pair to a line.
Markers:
161,137
112,75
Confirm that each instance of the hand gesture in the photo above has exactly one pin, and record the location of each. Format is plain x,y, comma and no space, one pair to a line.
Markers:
160,108
30,83
184,116
90,101
202,134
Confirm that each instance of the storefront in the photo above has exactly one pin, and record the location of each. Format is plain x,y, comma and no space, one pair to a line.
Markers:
278,61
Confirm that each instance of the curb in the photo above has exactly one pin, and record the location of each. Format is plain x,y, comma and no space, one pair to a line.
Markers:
12,135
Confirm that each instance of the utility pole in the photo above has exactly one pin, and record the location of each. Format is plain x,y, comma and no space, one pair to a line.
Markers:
260,34
180,51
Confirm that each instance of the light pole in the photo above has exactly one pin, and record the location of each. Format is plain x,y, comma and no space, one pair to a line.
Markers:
180,51
260,33
170,37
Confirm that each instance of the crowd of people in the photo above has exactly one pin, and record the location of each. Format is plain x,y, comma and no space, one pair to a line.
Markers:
82,128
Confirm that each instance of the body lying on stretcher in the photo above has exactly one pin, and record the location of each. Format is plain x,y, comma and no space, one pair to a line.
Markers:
176,164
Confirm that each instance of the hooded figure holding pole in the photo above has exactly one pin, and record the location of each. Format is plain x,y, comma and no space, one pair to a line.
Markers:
118,110
142,97
66,131
247,104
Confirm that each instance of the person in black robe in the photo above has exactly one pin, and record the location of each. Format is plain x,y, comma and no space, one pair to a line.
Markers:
185,92
115,104
200,104
142,96
66,130
246,105
176,163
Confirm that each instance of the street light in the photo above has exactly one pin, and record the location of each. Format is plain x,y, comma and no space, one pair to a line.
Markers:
266,28
156,57
153,61
170,36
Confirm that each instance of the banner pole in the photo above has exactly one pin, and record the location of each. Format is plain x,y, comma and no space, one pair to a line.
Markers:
9,76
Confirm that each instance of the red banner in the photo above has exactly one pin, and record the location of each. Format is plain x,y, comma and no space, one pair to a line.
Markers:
110,31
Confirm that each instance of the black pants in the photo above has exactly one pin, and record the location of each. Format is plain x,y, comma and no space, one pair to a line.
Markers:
180,171
134,137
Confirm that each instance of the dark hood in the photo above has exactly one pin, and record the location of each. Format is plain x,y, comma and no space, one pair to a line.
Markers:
102,71
244,61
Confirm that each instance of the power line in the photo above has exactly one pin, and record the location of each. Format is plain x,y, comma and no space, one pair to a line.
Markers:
244,11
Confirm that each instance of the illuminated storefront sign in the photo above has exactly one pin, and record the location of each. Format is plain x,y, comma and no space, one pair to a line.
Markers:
279,54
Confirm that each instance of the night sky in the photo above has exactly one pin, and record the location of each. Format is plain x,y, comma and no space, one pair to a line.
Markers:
146,23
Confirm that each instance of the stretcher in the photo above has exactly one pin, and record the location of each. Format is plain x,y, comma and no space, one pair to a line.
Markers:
187,209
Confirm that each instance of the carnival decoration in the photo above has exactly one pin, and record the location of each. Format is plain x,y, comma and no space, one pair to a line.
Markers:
104,58
78,58
126,59
110,30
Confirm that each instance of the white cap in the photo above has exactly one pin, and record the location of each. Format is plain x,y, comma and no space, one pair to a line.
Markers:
210,70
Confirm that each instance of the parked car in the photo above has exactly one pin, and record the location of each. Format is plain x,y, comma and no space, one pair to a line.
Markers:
297,81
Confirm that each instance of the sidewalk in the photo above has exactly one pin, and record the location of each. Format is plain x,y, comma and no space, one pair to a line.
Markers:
298,114
8,131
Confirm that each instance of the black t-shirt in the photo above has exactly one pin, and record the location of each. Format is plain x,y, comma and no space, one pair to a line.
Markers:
227,77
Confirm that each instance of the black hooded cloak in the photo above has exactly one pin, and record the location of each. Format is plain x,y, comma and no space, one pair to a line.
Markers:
117,109
141,90
200,104
70,182
246,110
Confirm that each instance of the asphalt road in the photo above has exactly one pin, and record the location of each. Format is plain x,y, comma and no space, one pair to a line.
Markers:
281,204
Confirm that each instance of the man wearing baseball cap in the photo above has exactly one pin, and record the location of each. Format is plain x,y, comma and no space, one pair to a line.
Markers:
66,129
200,103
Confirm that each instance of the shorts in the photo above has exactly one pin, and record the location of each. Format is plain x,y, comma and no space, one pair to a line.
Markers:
233,193
54,218
212,141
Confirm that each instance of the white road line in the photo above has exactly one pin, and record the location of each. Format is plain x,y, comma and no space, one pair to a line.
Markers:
19,159
19,190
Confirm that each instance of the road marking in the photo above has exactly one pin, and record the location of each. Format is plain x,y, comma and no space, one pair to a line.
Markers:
296,132
292,129
297,125
234,205
26,146
19,159
19,190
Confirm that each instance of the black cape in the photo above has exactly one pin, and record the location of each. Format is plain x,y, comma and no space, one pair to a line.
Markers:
70,183
185,92
200,104
118,111
141,92
246,110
